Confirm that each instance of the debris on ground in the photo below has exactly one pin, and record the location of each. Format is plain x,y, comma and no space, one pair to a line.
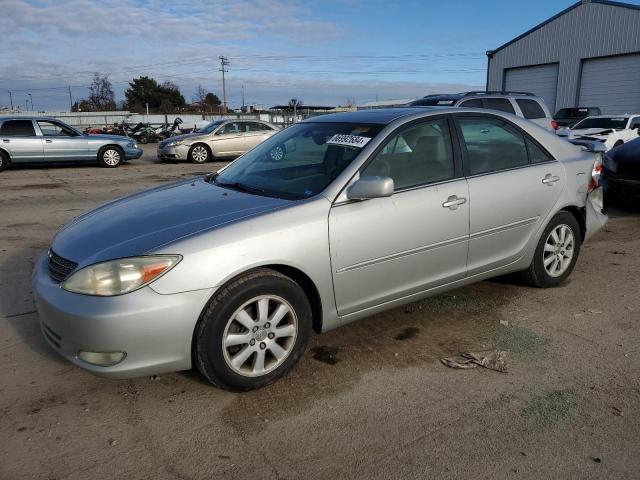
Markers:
491,359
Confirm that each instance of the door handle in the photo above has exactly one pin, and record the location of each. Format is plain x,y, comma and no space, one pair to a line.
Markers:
49,141
550,179
453,202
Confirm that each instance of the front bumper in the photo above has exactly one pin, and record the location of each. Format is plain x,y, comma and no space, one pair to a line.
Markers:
179,152
132,153
154,330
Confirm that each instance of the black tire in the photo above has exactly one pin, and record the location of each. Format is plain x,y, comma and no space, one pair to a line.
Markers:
4,160
537,275
209,353
144,139
110,156
618,143
199,153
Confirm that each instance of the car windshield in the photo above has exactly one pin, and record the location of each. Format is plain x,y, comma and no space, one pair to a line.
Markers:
434,102
602,122
572,113
300,161
210,128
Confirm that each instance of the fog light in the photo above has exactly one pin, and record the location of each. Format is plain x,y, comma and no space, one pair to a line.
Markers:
101,359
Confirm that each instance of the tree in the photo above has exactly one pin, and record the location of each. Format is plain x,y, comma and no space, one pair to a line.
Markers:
101,96
206,99
144,91
295,103
212,101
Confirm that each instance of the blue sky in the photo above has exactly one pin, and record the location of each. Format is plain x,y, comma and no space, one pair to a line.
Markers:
323,52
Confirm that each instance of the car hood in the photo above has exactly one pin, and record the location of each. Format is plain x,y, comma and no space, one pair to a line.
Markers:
143,222
110,138
178,138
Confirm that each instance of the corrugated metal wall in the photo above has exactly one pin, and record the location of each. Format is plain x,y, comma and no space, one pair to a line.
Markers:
587,31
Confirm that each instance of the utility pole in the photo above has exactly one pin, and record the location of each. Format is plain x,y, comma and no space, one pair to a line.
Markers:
11,99
243,97
31,100
224,62
70,100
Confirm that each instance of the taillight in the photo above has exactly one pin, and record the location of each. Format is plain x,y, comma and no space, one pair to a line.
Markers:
554,124
595,173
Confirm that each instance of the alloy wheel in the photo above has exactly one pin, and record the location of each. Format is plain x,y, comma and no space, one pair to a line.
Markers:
199,154
260,335
558,250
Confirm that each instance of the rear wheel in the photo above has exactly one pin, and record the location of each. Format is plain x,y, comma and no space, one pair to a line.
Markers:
253,331
110,157
4,160
556,253
199,153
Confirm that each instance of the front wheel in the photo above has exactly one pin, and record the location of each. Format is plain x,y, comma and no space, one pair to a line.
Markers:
253,331
110,157
556,253
4,161
198,153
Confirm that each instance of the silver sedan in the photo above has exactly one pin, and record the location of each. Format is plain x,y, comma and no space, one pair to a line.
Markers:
48,140
327,222
221,139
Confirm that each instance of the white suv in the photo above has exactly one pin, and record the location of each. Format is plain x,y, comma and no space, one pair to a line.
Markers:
523,104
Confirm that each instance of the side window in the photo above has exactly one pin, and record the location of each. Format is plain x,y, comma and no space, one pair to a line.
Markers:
473,103
50,129
230,128
492,145
256,127
536,154
530,108
635,123
418,155
18,128
502,104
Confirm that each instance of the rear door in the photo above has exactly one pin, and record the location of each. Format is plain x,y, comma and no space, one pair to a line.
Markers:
513,185
387,248
256,133
61,144
19,138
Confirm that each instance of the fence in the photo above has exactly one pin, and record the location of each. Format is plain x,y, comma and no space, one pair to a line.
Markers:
82,120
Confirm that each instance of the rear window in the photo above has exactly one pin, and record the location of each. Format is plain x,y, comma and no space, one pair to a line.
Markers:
574,113
602,122
502,104
530,108
18,128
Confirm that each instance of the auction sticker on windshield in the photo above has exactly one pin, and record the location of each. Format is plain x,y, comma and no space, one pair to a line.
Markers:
348,140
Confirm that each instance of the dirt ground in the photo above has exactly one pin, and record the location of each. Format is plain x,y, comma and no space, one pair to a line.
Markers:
370,400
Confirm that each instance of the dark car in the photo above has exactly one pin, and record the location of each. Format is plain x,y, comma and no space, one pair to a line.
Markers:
566,117
621,172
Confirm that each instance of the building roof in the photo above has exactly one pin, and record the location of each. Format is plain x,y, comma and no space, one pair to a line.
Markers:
566,10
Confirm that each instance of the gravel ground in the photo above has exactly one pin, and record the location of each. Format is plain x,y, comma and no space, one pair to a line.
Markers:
370,400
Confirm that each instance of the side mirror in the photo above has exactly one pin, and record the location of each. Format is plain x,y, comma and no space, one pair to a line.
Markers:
370,187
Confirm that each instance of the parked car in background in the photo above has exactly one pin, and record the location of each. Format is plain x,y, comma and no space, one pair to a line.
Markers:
567,117
328,221
621,172
47,140
221,139
522,104
611,130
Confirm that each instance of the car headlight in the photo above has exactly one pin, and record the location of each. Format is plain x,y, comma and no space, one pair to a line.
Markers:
120,276
132,145
173,144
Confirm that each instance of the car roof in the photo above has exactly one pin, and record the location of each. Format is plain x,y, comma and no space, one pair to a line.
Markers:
383,116
24,117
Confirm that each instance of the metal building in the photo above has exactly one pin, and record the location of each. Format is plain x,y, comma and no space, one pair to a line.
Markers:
587,55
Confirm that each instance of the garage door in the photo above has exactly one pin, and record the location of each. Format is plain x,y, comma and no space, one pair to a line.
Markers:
541,80
611,83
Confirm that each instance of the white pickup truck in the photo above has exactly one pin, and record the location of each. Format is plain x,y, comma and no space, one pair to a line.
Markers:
611,130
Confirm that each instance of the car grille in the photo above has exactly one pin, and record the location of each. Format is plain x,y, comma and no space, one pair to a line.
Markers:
59,268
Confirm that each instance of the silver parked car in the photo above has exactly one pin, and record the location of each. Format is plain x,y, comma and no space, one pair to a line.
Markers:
221,139
362,212
47,140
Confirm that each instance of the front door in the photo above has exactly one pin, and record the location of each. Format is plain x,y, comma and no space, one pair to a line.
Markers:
19,138
513,185
229,140
387,248
255,133
61,143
